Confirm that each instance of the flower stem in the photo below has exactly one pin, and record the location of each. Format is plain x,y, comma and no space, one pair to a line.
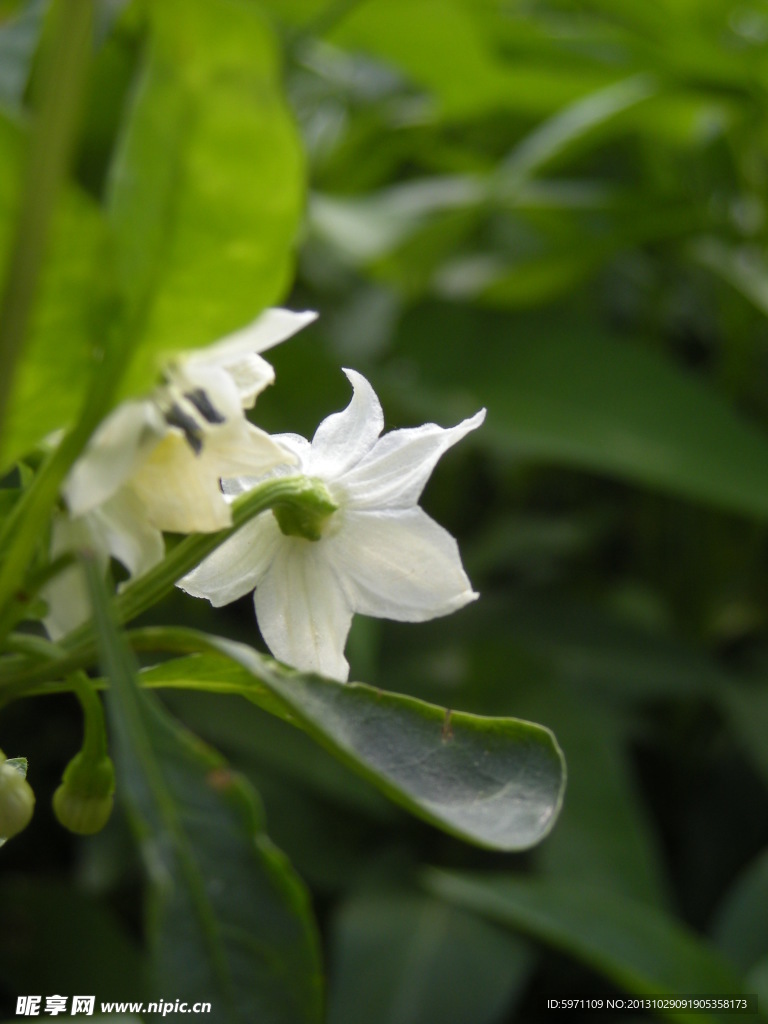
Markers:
94,748
79,647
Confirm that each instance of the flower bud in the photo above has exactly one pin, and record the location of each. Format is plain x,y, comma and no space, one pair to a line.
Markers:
83,801
17,801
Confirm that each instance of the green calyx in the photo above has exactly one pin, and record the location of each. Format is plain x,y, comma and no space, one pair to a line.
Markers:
83,802
17,800
306,514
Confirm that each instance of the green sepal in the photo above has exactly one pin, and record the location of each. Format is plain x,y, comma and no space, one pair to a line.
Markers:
308,517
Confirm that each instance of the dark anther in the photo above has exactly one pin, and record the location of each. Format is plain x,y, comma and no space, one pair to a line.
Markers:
202,403
176,417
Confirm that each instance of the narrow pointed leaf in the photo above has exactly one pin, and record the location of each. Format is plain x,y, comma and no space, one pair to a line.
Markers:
229,920
496,782
601,403
642,950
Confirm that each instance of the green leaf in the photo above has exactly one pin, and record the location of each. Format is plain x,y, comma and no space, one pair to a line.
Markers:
561,395
18,41
444,46
412,959
230,922
206,186
59,353
496,782
57,939
746,707
740,928
640,949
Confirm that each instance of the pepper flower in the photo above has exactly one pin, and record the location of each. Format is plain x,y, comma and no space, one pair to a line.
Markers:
155,464
378,554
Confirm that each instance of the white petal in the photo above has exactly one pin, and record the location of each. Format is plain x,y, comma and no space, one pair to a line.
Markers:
266,331
251,375
344,438
180,489
67,596
117,447
238,352
394,473
127,534
177,493
303,613
68,600
236,566
399,565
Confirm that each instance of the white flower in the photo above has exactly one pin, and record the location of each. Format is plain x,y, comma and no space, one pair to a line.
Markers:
155,464
171,450
379,554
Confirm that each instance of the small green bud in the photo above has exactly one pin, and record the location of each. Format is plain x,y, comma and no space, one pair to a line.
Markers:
306,515
83,802
17,800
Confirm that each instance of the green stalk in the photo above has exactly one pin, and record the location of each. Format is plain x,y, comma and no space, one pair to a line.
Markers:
18,674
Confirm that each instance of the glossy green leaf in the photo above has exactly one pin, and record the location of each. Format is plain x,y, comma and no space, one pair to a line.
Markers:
229,921
412,959
205,190
497,782
642,950
561,394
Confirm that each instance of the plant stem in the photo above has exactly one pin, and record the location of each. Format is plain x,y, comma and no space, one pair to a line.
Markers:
79,647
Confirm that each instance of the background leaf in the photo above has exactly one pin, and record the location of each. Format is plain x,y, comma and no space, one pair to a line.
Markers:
640,949
229,921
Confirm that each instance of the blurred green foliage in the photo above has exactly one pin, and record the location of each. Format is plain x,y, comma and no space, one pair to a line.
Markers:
557,210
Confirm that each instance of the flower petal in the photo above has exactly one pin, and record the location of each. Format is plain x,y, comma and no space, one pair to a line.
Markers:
180,489
238,353
266,331
399,565
236,566
122,440
394,473
66,594
126,533
302,610
344,438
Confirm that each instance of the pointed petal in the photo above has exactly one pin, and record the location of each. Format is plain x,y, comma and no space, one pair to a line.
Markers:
344,438
266,331
303,613
399,565
123,439
251,375
394,473
238,352
237,565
